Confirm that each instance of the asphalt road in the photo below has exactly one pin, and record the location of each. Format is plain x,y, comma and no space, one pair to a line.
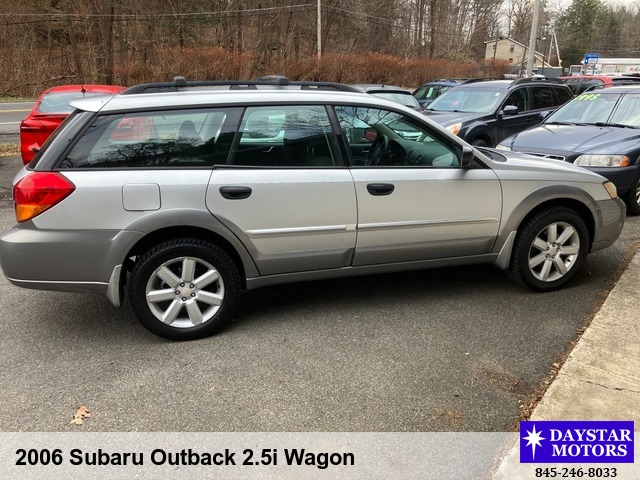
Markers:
10,116
455,349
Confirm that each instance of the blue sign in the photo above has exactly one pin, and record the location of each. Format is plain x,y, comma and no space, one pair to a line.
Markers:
576,442
591,58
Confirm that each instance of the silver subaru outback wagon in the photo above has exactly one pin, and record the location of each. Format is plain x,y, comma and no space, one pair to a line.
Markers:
181,199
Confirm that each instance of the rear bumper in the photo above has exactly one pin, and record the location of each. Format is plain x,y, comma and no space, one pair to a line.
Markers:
611,217
69,260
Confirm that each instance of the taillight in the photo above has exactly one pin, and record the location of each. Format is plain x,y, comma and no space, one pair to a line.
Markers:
38,192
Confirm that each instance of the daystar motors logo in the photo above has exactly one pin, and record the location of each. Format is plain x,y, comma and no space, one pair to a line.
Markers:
576,442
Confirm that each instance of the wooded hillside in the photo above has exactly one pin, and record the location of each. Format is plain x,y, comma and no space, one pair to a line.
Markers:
403,42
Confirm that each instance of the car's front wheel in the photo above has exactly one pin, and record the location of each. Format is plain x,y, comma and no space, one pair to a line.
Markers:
550,248
183,289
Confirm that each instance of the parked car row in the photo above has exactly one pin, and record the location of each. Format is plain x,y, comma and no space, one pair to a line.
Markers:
599,129
483,112
179,198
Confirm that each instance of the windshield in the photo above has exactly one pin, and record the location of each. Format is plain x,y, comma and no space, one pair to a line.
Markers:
470,100
599,109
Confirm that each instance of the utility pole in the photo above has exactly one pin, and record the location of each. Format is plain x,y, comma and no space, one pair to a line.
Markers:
532,38
319,24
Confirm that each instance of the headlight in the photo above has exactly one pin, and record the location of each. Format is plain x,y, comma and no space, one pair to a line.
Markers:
611,189
602,161
503,147
455,128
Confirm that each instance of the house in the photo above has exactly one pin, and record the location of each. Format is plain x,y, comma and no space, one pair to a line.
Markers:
512,51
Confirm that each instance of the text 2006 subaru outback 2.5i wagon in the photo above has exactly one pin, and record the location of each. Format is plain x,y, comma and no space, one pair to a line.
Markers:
184,198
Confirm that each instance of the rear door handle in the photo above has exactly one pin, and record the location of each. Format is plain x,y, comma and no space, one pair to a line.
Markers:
379,189
235,192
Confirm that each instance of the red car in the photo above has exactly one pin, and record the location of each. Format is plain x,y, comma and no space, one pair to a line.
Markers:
580,83
51,108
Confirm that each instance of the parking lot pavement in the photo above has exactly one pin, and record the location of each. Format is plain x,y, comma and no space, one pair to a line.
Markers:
456,349
601,378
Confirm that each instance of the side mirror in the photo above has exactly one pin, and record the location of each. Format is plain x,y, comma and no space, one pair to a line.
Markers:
510,110
370,134
467,156
544,114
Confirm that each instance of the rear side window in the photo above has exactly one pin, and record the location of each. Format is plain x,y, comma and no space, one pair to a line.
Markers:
562,96
586,84
542,97
286,136
574,85
178,138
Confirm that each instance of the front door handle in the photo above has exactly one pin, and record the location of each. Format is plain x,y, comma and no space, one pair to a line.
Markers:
235,192
379,189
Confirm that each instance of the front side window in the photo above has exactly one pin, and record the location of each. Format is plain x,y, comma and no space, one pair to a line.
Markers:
286,136
518,98
182,138
382,138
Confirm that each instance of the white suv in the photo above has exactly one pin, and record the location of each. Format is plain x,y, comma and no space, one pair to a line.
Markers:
183,198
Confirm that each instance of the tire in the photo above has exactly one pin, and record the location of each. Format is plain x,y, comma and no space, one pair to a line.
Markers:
632,198
191,283
479,142
550,249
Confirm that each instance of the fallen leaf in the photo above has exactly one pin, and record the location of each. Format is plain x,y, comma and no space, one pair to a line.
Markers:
557,365
82,413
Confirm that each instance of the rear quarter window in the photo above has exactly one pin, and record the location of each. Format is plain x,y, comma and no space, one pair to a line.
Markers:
184,138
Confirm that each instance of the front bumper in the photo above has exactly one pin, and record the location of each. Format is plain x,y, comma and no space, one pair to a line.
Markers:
611,217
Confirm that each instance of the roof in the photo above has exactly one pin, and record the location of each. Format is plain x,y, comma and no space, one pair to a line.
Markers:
195,98
614,89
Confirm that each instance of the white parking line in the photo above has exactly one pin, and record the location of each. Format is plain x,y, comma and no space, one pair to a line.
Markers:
9,123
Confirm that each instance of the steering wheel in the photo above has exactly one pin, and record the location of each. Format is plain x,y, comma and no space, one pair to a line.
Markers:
379,150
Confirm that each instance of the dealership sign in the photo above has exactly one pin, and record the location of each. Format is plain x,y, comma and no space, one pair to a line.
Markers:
576,442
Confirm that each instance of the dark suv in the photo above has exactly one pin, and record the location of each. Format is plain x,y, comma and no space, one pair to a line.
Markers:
484,113
427,93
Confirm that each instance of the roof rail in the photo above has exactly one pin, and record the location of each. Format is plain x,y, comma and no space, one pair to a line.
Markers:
536,79
273,81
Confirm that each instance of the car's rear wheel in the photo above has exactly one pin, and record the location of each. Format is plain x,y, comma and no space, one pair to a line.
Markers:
550,249
184,289
633,198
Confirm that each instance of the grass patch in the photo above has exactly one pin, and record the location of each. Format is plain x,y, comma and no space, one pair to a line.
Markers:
9,150
7,99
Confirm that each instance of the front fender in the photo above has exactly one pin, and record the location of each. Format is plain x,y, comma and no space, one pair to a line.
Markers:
552,195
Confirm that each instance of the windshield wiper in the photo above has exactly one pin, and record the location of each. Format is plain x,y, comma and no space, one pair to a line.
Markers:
619,125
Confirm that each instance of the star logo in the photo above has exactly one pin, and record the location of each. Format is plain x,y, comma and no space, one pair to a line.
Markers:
534,439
